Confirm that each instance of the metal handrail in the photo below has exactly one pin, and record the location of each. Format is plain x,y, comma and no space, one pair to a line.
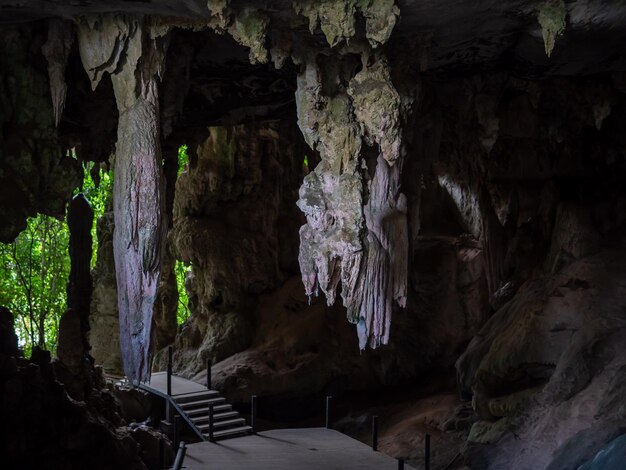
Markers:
176,406
180,456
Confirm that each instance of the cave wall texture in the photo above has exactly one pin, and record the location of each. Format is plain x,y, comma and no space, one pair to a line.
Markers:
452,174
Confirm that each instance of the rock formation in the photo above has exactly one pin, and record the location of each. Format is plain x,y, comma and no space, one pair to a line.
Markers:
234,201
74,365
36,174
138,194
68,434
372,268
104,334
452,170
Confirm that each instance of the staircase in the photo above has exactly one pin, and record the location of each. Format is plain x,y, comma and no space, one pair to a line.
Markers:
226,421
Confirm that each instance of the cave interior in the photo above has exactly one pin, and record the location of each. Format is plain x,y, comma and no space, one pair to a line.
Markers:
416,207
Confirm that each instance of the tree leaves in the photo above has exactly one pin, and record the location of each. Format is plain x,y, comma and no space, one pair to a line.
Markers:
34,269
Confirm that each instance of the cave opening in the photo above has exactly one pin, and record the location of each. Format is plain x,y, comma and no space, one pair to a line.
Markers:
415,209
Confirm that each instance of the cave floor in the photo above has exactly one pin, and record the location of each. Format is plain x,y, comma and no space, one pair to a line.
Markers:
311,448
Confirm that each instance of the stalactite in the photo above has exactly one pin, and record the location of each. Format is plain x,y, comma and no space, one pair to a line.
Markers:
337,18
57,50
551,17
133,53
331,195
356,230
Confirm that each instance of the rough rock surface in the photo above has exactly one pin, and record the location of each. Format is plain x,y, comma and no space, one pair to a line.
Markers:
236,201
45,428
339,203
138,201
105,327
57,51
550,364
35,173
74,365
469,163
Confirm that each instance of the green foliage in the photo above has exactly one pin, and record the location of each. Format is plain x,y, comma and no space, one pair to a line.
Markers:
182,312
181,269
183,159
33,276
97,187
34,269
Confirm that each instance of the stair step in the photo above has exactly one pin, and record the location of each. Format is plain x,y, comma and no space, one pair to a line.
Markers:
202,403
216,416
196,396
223,424
205,411
229,432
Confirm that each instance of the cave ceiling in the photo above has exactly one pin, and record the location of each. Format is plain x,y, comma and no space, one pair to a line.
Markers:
449,35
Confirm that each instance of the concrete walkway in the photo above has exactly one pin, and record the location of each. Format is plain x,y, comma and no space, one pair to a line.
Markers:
180,386
288,449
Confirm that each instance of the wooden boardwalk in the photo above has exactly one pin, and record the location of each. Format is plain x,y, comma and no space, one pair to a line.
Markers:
288,449
280,449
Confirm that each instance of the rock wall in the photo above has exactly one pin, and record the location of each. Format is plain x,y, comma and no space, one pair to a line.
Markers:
532,171
45,428
36,175
105,327
235,222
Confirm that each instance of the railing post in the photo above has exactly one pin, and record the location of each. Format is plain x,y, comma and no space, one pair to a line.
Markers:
180,456
375,433
253,413
170,352
209,364
400,464
329,400
176,430
211,438
168,407
427,452
161,454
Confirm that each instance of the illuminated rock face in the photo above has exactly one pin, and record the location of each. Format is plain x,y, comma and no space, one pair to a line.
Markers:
138,192
356,232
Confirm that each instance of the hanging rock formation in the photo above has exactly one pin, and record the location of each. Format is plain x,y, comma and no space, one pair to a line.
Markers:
356,231
551,17
57,50
132,51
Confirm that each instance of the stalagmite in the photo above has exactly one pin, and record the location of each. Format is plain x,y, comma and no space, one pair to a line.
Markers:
79,287
73,366
133,53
